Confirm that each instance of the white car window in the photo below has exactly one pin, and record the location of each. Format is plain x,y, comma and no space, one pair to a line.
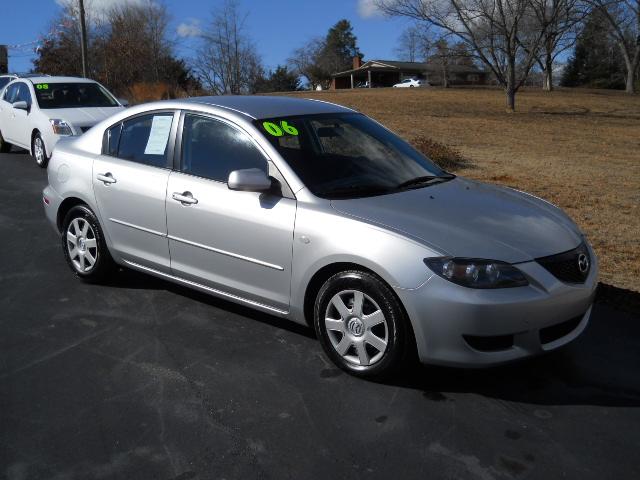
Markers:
11,93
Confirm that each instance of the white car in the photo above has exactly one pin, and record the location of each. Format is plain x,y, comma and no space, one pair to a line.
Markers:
409,83
36,112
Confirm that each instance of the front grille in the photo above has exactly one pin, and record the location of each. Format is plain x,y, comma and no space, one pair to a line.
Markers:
84,129
555,332
566,266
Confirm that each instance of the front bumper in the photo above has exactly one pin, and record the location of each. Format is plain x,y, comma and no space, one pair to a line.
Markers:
466,327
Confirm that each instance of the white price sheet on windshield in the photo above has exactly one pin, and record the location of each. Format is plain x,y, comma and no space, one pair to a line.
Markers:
159,135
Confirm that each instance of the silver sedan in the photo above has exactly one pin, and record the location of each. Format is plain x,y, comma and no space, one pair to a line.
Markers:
318,214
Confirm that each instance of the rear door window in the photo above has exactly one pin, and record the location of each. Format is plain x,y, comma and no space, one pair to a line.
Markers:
143,139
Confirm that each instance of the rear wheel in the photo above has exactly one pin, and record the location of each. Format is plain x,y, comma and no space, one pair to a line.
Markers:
4,146
39,151
84,247
361,324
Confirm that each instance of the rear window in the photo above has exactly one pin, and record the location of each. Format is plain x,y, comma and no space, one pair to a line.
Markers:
72,95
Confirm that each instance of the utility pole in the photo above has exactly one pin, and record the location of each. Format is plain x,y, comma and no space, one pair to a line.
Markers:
4,59
83,35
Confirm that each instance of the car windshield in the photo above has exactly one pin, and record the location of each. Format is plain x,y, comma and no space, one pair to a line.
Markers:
348,155
72,95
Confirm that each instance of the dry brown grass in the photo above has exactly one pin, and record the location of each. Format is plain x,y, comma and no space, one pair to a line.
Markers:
578,149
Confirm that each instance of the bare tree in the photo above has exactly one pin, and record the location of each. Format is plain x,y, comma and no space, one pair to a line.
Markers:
559,21
228,61
495,30
624,18
415,43
444,55
305,62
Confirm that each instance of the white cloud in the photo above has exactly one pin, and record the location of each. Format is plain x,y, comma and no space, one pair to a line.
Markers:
191,28
368,9
97,8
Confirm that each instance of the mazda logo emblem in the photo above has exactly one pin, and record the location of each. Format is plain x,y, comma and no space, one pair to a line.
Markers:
583,263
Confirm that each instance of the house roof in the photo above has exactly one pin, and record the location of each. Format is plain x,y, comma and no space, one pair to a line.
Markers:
393,65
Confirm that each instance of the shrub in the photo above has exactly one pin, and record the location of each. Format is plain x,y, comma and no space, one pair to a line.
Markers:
444,156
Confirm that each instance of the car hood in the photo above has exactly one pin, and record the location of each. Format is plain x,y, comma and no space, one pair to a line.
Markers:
464,218
82,116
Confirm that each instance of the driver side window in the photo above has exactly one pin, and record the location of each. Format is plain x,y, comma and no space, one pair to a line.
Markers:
213,149
23,94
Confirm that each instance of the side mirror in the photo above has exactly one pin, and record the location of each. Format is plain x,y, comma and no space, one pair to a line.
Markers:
124,102
249,180
21,105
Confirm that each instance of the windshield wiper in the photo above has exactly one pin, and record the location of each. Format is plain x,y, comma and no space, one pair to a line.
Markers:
358,191
424,180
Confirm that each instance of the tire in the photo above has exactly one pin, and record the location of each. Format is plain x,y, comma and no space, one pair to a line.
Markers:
39,151
4,146
370,341
84,247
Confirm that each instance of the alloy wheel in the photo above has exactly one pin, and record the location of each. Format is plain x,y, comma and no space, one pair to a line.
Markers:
82,245
356,327
38,150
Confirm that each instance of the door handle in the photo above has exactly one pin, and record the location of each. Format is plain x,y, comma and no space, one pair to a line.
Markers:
106,178
185,198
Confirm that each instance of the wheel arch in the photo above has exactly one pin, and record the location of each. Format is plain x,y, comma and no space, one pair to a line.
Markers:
323,274
327,271
66,205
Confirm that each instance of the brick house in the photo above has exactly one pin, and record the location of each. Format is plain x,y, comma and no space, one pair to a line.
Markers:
386,73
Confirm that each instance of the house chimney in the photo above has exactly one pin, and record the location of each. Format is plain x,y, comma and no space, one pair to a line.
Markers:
357,62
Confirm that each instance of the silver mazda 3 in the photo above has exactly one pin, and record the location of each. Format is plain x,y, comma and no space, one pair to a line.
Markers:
316,213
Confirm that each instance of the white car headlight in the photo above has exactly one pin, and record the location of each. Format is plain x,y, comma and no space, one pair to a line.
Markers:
60,127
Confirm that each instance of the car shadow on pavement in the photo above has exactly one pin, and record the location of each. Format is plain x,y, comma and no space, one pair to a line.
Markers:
131,279
598,368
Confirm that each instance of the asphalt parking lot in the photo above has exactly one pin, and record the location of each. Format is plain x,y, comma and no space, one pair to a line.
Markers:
141,379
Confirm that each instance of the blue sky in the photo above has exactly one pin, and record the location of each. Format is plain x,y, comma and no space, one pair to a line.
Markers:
276,26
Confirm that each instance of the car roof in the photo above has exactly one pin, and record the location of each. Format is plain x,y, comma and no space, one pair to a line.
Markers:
45,79
259,106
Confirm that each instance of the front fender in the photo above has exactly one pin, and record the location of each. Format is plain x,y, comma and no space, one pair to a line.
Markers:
323,237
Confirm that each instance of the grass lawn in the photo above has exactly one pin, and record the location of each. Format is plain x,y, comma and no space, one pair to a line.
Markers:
579,149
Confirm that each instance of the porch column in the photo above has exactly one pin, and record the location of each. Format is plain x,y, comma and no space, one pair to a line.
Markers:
369,77
352,80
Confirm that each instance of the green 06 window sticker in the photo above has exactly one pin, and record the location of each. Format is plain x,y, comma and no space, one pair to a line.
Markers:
42,86
280,130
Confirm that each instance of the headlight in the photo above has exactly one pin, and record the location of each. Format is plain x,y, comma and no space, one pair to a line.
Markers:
60,127
477,273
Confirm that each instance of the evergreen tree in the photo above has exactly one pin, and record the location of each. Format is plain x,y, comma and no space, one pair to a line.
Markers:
340,46
596,59
321,57
280,80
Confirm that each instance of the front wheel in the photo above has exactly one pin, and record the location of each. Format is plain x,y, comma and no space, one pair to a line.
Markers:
84,246
361,325
39,151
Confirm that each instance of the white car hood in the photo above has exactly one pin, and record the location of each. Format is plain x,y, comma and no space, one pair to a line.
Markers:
83,117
